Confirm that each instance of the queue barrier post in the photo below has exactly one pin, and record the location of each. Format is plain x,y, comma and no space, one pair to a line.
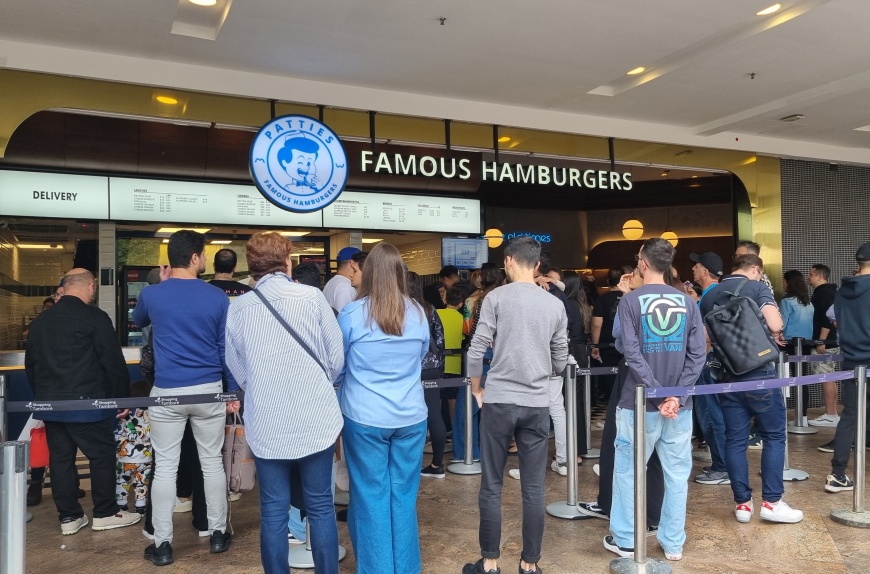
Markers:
467,466
798,426
587,408
790,474
2,407
14,461
858,516
567,509
641,563
302,557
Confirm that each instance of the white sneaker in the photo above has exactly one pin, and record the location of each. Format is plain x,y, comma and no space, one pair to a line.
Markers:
71,526
120,520
780,512
182,505
515,473
596,469
674,555
560,467
825,420
234,496
743,512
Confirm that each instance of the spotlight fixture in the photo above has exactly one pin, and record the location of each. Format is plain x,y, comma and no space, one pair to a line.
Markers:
203,2
769,10
636,71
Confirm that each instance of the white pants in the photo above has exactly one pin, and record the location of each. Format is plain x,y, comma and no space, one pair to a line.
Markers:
557,413
167,428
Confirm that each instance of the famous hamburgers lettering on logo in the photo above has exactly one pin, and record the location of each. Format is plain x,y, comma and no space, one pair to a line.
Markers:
298,163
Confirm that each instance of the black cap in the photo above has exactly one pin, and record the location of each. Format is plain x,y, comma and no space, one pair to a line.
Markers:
710,260
863,253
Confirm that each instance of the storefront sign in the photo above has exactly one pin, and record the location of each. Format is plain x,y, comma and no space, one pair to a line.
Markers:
298,163
53,195
392,163
539,237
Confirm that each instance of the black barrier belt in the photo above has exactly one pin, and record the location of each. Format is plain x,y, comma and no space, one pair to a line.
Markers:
742,386
597,371
128,403
815,358
447,383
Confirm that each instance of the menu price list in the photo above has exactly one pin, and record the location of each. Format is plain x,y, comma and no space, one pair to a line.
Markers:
410,213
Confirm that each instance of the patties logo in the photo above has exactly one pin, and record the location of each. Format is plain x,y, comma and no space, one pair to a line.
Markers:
298,163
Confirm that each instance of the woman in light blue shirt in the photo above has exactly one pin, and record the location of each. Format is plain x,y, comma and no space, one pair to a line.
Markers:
795,308
386,337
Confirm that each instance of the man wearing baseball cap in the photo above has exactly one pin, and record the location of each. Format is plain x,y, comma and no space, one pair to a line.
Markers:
707,270
853,324
338,290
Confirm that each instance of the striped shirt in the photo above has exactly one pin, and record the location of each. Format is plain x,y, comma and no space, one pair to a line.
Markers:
291,410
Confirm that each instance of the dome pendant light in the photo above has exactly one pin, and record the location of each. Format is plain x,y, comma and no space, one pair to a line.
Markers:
669,235
632,229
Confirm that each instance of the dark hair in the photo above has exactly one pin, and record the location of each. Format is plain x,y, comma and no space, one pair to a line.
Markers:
385,284
225,261
796,286
544,265
751,246
490,277
359,258
415,291
454,296
659,254
183,245
48,301
525,251
822,270
558,271
745,262
267,252
574,292
307,274
614,275
448,271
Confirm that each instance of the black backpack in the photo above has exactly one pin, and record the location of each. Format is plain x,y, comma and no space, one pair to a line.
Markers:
739,334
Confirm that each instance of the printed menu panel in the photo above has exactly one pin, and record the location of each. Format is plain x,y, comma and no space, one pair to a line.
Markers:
203,203
30,193
388,212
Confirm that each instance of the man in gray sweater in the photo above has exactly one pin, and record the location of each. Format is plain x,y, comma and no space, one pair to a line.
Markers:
527,328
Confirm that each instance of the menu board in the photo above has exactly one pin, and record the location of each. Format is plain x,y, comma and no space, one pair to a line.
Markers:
38,194
205,203
388,212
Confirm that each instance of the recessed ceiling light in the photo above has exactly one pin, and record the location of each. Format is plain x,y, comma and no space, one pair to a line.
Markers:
694,177
38,246
166,100
170,230
504,139
165,241
221,242
636,71
204,2
371,240
293,233
766,12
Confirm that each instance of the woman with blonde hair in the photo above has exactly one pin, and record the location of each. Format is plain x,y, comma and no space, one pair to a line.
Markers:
386,337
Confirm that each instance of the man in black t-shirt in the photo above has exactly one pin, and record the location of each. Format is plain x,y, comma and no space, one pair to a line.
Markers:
824,330
224,266
603,314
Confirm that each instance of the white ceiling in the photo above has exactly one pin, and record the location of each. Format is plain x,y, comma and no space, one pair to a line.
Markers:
529,64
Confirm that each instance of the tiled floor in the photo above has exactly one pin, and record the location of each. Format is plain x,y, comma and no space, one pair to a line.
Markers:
716,544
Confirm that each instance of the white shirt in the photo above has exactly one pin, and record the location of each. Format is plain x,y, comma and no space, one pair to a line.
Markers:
339,292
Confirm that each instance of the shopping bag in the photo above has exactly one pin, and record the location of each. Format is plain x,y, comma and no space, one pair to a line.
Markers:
38,448
238,458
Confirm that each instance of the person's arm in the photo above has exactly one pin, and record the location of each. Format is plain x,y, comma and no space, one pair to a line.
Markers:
485,329
597,323
235,350
785,312
232,385
439,332
140,313
344,296
696,351
770,312
333,342
345,324
559,345
111,358
631,346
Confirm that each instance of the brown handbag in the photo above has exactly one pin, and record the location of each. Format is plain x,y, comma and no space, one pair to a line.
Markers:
238,458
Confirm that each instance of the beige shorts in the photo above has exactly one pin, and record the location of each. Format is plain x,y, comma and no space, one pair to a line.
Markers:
826,367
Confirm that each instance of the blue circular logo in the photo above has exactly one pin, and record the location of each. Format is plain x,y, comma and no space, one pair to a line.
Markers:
298,163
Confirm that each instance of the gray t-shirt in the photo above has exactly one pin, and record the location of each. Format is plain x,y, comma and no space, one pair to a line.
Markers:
528,329
663,342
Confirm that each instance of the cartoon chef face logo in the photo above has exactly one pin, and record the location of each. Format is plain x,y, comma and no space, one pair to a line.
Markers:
298,163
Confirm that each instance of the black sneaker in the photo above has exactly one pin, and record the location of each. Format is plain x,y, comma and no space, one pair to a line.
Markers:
836,483
160,555
827,447
537,569
219,542
610,544
477,568
432,472
591,509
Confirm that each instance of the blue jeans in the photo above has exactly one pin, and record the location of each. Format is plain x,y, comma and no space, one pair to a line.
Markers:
768,408
672,441
273,477
709,414
384,467
295,522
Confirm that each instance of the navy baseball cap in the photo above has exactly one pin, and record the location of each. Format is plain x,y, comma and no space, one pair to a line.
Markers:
346,253
710,260
863,253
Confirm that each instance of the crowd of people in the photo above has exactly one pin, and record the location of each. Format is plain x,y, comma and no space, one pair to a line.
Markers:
336,374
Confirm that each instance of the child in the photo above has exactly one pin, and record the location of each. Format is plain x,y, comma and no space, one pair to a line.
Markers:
133,437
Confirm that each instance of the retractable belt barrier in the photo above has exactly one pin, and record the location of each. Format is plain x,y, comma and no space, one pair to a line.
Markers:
126,403
741,386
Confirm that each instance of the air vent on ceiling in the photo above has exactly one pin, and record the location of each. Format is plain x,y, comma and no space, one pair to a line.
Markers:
37,228
24,238
792,118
